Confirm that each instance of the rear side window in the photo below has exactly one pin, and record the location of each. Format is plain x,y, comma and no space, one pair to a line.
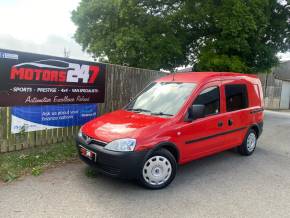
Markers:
236,97
210,98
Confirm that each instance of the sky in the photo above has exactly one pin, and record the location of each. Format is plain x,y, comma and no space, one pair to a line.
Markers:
43,26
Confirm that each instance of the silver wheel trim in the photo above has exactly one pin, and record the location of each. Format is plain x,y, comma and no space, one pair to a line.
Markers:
251,142
157,170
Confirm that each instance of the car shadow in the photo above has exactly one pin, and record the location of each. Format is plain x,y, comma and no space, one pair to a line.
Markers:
217,164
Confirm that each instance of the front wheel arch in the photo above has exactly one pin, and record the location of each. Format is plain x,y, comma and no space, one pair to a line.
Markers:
171,147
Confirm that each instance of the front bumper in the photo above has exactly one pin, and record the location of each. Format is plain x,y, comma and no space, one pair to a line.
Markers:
125,165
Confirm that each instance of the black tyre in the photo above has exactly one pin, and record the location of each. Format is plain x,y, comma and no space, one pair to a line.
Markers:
158,170
249,145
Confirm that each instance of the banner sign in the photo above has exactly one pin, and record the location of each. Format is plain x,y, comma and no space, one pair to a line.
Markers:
34,118
33,79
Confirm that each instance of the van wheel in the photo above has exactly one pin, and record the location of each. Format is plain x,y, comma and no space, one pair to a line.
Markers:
249,145
158,170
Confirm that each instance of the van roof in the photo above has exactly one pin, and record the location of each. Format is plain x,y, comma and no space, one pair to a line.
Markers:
197,77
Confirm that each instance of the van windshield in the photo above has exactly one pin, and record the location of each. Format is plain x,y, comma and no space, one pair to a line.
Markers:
161,98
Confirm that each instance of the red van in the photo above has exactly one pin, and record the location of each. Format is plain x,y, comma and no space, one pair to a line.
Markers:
174,120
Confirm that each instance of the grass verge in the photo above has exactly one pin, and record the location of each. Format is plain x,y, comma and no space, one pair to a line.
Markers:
33,161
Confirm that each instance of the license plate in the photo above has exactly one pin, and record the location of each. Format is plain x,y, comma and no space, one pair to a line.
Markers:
88,153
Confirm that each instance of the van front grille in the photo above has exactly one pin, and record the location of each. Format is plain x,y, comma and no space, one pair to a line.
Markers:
99,143
89,141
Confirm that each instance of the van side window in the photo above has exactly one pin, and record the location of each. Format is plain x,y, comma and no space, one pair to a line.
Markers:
236,97
210,97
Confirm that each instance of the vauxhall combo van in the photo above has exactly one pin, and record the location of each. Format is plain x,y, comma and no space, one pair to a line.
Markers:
174,120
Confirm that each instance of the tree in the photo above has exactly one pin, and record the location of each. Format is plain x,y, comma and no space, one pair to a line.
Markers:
212,35
244,35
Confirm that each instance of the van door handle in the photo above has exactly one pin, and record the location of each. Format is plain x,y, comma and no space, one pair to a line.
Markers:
220,124
230,122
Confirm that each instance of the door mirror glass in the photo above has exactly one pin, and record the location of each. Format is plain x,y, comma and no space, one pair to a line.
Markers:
195,112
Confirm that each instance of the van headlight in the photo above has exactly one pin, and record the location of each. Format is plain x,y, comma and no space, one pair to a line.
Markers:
80,134
83,137
121,145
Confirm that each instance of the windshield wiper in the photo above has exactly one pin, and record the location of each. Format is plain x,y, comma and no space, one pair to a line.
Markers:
162,114
138,110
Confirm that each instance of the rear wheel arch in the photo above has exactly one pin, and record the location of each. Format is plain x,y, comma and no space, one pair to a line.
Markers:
256,128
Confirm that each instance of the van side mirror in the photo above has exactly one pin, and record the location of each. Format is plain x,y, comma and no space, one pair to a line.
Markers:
196,111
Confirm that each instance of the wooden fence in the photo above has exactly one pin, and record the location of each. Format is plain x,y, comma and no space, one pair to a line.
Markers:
272,89
122,83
